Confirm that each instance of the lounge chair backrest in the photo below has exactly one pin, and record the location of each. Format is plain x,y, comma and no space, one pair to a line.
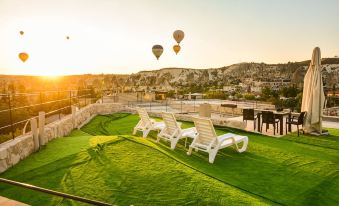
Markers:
170,122
206,133
143,115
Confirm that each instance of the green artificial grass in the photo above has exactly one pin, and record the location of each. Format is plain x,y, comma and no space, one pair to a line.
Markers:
122,169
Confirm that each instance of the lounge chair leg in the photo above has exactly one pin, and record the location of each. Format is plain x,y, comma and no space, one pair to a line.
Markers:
298,129
145,133
189,151
174,143
134,131
212,155
244,146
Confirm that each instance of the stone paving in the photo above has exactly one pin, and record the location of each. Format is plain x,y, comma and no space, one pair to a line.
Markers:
8,202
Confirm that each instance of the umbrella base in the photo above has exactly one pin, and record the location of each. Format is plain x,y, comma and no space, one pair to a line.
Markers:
317,133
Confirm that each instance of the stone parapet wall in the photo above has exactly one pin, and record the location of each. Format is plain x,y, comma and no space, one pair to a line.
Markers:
11,152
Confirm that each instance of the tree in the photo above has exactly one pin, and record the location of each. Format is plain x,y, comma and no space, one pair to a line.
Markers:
290,103
266,92
289,91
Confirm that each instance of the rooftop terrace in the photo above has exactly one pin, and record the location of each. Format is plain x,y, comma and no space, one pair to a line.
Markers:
103,161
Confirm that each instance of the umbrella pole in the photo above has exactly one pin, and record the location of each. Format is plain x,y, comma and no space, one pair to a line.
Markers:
320,105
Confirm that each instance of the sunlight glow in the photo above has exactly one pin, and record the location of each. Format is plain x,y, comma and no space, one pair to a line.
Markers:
117,36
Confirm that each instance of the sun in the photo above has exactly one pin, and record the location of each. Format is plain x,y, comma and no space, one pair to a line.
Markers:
51,77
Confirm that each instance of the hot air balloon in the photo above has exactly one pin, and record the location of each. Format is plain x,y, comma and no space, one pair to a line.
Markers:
23,56
157,50
176,49
22,32
178,35
67,37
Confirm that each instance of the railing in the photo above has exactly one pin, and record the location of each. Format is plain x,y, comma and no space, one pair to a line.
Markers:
218,107
333,111
17,109
55,193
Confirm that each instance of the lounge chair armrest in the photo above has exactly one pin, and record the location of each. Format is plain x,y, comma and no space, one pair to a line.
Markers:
225,137
190,132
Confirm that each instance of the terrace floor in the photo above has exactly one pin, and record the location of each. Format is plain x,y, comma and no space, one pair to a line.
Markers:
103,161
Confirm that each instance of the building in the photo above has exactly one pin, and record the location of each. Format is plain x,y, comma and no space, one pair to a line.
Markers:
194,96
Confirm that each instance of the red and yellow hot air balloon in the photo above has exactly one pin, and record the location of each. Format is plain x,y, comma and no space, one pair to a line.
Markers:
157,50
23,56
176,49
178,35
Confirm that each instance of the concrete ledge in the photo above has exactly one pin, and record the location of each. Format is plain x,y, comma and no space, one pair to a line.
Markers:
331,118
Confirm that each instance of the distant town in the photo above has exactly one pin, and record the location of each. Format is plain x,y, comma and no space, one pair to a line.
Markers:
243,81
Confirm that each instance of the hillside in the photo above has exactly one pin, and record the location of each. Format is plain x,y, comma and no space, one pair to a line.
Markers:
169,78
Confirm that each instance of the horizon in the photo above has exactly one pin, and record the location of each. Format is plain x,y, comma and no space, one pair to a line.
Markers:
114,37
150,70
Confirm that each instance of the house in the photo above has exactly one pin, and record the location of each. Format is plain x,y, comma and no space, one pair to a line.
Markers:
194,96
160,95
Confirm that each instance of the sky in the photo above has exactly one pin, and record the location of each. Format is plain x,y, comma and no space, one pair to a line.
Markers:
110,36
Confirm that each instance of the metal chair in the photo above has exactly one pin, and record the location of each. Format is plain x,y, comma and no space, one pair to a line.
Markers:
296,120
268,118
248,114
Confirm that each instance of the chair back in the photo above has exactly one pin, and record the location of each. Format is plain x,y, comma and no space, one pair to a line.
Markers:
171,124
206,133
143,115
268,117
301,118
248,114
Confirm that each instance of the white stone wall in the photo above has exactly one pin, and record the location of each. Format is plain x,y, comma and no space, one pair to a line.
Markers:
11,152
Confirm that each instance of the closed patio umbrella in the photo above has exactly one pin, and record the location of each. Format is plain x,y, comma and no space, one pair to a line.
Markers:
313,95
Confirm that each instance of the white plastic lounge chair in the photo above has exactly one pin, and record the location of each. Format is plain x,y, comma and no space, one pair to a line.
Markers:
146,124
173,132
209,142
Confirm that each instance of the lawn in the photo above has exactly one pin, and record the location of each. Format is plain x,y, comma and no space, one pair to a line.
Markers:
103,161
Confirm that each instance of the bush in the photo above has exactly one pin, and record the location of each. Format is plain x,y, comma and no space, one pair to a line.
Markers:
238,96
249,96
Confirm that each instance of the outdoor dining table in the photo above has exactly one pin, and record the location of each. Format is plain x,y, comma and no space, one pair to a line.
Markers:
278,115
